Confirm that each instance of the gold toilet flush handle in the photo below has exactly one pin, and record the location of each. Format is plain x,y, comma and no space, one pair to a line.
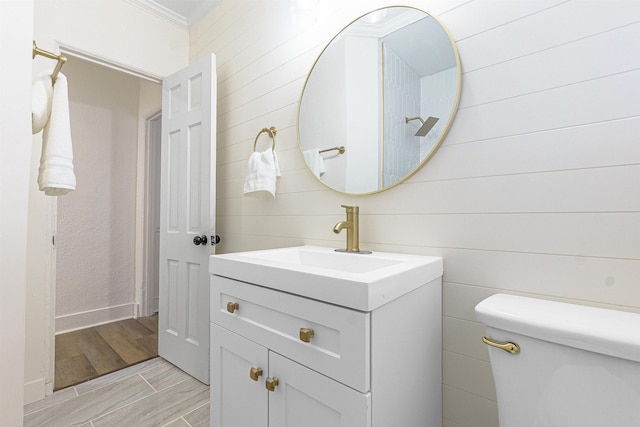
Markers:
255,373
232,306
509,347
306,334
271,383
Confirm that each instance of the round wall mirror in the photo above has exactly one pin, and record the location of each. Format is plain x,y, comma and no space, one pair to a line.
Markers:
379,100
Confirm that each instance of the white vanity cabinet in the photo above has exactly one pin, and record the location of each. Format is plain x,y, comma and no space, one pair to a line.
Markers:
334,366
301,397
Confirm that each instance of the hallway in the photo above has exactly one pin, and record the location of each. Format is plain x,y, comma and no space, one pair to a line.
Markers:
89,353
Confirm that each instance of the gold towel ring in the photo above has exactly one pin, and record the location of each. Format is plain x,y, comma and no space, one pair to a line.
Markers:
272,134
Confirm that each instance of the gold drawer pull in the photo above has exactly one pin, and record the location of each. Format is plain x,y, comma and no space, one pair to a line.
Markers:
271,383
509,347
255,373
232,306
306,334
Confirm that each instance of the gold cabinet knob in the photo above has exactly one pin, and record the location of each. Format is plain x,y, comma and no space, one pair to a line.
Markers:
232,306
271,383
306,334
255,373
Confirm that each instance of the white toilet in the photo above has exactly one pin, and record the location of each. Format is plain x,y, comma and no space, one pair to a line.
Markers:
562,365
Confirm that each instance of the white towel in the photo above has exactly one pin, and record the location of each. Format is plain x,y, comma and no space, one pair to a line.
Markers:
41,95
56,176
314,161
262,171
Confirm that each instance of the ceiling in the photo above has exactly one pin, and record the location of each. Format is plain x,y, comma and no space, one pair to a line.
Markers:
181,12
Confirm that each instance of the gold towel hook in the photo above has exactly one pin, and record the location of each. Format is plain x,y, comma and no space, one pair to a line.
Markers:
60,58
272,134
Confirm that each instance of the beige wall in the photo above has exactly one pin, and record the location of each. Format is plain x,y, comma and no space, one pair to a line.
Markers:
533,192
15,147
118,33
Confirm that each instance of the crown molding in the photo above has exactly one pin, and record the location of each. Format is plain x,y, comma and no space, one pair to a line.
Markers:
161,11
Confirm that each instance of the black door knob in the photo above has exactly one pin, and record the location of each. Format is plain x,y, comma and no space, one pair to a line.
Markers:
200,240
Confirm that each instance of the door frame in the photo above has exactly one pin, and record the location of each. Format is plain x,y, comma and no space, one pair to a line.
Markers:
141,197
152,206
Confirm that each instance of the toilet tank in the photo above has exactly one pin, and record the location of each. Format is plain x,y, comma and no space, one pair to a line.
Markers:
578,366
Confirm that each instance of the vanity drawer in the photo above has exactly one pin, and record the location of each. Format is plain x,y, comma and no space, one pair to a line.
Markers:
339,347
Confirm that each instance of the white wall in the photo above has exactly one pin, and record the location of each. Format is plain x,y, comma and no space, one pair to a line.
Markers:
329,83
15,148
402,94
362,89
436,101
117,32
95,237
534,190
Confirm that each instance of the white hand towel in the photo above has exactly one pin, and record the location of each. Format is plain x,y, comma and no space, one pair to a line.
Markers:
56,176
41,95
262,171
314,161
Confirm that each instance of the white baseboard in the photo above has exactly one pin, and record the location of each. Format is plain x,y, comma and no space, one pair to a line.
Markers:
87,319
34,391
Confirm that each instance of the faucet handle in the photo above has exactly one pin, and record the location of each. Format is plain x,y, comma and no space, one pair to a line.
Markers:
351,208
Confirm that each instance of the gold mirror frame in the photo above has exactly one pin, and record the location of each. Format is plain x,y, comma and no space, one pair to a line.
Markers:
340,145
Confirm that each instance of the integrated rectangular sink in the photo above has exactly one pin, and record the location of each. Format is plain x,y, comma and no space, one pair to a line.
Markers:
359,281
325,259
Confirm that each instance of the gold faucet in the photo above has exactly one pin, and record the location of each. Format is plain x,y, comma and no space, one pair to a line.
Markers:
352,225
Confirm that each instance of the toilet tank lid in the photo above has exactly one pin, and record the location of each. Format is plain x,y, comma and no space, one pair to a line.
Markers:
612,332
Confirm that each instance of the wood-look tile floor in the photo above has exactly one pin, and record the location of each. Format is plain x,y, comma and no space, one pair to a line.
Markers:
89,353
150,394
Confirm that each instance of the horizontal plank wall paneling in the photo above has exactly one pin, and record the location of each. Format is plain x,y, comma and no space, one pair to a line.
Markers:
590,146
490,15
590,58
567,22
566,106
534,191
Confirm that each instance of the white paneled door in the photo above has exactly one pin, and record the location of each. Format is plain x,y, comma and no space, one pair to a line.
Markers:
187,216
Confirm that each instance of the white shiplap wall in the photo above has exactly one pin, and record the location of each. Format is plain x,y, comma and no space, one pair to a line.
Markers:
535,190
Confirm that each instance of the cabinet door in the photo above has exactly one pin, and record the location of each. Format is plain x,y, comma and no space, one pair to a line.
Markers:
305,398
237,400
